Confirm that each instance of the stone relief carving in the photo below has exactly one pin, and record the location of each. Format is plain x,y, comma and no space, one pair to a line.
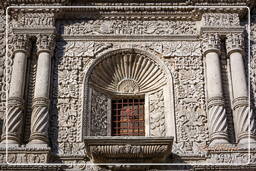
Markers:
66,104
81,48
228,157
220,19
191,120
157,114
125,27
99,110
140,73
31,20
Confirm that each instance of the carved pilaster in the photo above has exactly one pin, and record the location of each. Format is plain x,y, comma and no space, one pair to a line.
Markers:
234,43
13,121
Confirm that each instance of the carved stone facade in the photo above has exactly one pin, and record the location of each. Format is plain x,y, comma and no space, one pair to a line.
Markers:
62,67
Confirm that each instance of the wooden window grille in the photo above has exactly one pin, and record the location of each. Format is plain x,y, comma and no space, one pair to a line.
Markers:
128,117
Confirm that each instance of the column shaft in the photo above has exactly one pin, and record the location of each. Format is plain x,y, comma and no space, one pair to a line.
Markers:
217,119
40,108
14,119
243,119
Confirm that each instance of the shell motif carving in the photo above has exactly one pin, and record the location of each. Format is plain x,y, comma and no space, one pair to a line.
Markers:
127,73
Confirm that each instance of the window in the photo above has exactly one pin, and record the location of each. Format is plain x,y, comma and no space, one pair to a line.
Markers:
128,117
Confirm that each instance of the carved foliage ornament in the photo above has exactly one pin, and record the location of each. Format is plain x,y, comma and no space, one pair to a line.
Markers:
45,42
21,43
125,27
234,42
211,43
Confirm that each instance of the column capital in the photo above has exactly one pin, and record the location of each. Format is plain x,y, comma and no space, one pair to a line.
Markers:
211,43
45,42
234,43
21,43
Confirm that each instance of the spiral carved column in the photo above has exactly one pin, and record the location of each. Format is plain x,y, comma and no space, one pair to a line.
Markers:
243,118
14,118
217,118
40,108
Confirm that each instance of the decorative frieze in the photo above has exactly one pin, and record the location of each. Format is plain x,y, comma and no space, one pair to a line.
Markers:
220,19
34,20
125,27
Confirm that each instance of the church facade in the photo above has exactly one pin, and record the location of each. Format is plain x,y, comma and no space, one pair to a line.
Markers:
109,86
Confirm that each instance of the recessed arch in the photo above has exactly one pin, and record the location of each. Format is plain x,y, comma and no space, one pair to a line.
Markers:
129,72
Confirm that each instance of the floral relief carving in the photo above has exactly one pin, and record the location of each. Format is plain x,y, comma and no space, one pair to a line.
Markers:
99,110
2,65
125,27
192,133
157,114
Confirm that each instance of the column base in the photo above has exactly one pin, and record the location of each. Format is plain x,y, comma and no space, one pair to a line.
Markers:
11,141
245,142
37,143
217,142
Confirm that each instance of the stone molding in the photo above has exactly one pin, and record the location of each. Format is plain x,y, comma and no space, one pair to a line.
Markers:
215,101
240,102
234,43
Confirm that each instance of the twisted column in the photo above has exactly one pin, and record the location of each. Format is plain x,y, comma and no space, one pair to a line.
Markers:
13,122
40,106
217,119
243,118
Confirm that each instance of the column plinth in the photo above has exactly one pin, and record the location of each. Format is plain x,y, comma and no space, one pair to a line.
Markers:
217,119
40,108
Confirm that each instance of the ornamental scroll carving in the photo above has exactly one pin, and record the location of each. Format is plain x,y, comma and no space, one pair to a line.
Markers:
191,120
99,111
157,114
125,27
220,19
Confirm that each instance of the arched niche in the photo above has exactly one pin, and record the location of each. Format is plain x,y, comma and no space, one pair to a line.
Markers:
128,72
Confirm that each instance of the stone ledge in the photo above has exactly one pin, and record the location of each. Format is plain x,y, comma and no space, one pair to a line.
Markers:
128,149
23,155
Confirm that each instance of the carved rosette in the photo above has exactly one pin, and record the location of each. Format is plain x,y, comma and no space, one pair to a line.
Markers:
211,43
217,118
21,43
234,43
39,120
45,42
13,120
243,116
